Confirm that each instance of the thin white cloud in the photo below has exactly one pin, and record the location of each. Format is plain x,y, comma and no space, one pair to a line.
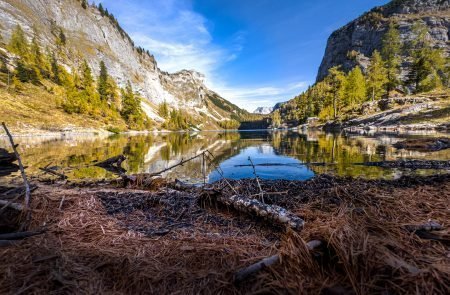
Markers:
179,39
252,97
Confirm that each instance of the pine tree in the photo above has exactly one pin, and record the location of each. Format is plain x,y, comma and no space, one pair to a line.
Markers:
86,79
376,77
336,80
55,76
390,52
101,9
102,84
355,87
84,4
131,109
22,72
61,38
428,65
163,110
18,43
35,53
276,119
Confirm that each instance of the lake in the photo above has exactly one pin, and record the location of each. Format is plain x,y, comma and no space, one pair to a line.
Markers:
275,155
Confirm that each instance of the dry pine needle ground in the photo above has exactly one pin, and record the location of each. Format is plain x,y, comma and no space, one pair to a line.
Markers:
109,240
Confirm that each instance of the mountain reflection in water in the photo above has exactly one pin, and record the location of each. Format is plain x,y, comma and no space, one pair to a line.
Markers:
276,155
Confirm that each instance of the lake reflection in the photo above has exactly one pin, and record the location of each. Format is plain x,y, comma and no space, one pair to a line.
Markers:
276,155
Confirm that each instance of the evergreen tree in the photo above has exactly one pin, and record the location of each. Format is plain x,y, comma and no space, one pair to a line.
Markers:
18,43
276,119
102,84
55,76
131,109
336,80
22,72
61,38
390,52
355,87
84,4
163,110
428,65
376,77
86,79
101,9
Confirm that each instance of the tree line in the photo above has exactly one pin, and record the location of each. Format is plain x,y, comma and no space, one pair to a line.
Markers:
99,97
340,93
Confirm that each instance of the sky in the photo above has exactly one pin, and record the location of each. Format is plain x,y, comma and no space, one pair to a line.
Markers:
252,52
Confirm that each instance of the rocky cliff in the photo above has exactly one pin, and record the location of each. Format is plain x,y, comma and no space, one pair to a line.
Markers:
354,43
93,37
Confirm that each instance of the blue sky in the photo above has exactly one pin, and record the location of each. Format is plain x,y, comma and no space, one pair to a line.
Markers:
253,52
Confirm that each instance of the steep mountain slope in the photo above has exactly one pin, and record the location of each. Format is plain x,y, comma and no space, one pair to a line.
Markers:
354,43
94,37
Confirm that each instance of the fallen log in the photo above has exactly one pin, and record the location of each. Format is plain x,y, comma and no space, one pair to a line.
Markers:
7,243
20,235
113,164
252,206
24,176
6,157
246,272
429,226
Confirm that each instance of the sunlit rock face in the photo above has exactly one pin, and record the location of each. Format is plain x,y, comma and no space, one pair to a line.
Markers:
354,43
95,38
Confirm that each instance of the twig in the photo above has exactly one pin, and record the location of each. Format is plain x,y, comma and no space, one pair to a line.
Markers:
50,171
20,235
210,157
10,204
244,273
182,162
257,180
22,172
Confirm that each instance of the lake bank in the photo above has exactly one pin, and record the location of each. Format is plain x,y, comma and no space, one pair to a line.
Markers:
158,237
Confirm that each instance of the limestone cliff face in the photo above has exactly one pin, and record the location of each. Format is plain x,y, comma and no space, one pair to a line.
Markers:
94,37
354,43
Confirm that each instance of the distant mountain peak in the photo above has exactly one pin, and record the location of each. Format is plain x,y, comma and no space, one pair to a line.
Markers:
263,110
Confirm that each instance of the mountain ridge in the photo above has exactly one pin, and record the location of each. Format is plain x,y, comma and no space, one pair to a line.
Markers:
354,43
94,37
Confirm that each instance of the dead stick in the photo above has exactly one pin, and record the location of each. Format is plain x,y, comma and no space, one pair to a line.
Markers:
182,162
20,235
10,204
257,180
244,273
49,171
7,243
211,157
22,172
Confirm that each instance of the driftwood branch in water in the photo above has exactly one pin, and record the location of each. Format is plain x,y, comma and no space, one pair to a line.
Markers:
53,172
246,272
272,213
22,172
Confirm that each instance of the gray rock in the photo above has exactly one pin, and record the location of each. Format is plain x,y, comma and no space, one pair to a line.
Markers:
364,35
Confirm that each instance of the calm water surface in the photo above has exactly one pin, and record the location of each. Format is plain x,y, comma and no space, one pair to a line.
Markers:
276,155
